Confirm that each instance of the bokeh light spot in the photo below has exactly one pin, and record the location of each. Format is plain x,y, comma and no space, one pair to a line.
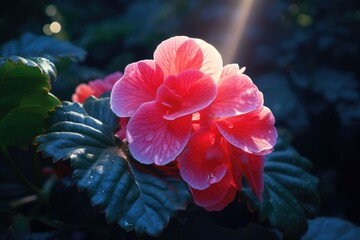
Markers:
46,29
304,20
51,10
55,27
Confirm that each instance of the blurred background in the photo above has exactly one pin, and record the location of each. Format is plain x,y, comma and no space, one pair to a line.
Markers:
303,55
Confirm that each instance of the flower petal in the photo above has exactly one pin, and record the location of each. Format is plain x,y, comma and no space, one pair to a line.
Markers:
138,85
112,78
203,161
237,94
121,133
253,132
215,193
212,63
229,197
153,139
252,166
195,90
101,86
181,53
82,92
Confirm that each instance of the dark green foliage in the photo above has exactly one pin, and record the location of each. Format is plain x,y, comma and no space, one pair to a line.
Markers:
24,98
290,192
316,60
62,53
286,106
309,76
137,197
324,228
205,228
30,45
68,206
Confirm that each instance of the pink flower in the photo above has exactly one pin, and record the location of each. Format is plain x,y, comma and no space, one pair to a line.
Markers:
161,95
232,136
95,88
185,105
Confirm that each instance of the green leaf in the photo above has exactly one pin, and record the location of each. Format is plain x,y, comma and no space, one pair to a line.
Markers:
324,228
99,109
25,99
139,197
30,45
290,192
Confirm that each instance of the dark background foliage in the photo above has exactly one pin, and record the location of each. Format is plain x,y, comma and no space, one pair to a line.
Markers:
303,55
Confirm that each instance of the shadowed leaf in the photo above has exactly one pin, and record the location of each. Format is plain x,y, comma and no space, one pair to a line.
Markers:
30,45
290,192
138,197
24,98
331,228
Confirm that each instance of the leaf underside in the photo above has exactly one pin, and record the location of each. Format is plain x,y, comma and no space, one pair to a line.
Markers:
137,197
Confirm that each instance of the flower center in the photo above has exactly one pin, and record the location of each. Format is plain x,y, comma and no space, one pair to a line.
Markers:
168,97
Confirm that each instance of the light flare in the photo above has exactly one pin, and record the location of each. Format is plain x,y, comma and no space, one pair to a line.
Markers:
236,30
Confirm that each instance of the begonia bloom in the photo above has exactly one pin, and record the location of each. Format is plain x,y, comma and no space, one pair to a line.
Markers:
82,92
245,122
213,169
253,132
216,196
237,94
231,136
95,88
185,105
161,95
203,161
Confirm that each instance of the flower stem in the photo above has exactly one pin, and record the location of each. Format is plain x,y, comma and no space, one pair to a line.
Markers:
23,179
